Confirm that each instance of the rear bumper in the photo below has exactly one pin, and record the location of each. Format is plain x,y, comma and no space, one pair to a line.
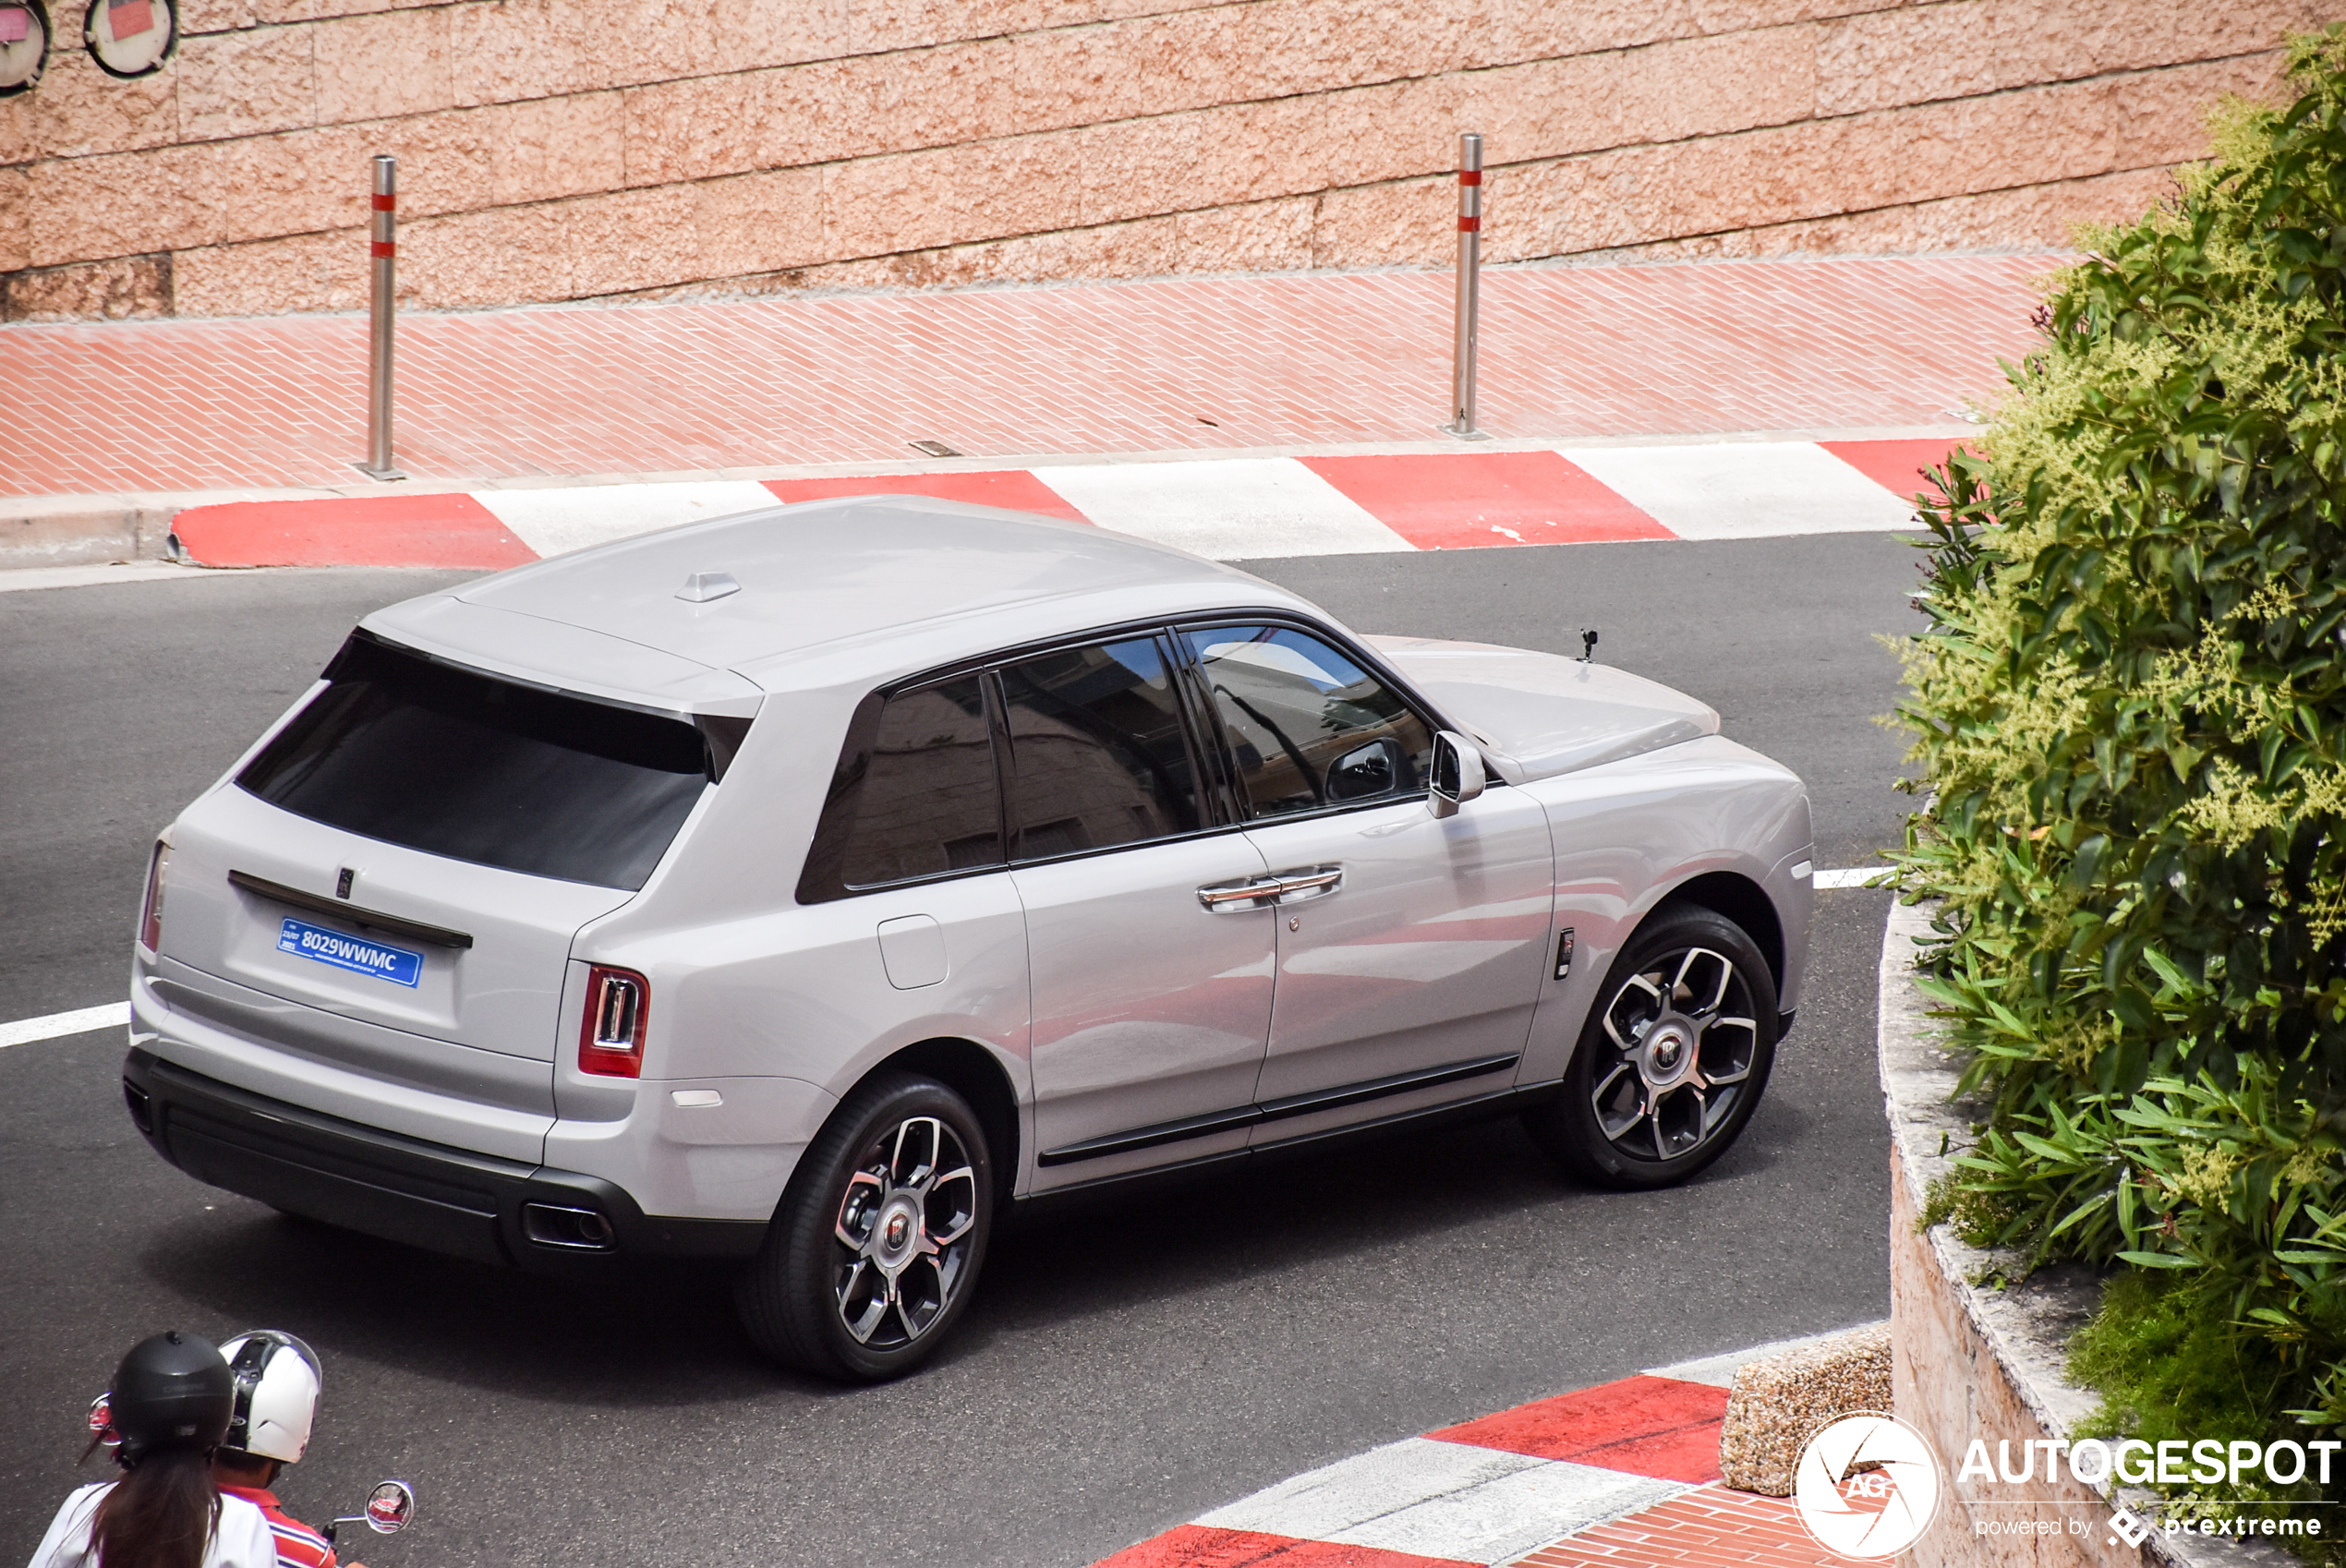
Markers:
428,1195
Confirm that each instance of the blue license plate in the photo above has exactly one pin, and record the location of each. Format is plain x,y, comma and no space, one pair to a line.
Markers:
354,953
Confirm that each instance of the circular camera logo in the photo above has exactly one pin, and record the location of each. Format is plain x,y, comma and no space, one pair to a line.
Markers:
1868,1487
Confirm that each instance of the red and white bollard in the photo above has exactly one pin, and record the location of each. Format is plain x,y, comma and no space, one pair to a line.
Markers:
1461,423
385,250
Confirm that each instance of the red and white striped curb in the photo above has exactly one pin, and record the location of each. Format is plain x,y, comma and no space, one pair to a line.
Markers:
1229,509
1524,1483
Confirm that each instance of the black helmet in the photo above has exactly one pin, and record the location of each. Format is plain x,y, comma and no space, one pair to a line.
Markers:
173,1391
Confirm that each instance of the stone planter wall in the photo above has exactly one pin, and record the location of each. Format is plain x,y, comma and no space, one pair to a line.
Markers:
1968,1361
559,150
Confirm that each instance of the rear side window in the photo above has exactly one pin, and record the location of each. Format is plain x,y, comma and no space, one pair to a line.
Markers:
1099,755
1308,728
459,764
913,794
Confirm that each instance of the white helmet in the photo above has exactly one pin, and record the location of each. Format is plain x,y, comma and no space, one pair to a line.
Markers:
277,1382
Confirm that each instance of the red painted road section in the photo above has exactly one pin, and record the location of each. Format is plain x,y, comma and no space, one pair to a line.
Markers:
1656,1427
1900,467
1473,500
1646,1426
452,530
1198,1546
1015,488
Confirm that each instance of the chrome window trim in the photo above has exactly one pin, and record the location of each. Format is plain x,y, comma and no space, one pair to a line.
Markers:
1420,708
1210,747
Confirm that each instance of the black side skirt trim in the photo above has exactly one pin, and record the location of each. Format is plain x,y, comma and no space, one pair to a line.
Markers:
1150,1136
1083,1195
1378,1088
1274,1110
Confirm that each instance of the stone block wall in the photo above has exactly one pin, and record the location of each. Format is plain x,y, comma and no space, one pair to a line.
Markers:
555,149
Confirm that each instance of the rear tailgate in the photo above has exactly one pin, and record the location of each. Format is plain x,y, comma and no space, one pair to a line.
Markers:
453,1045
496,990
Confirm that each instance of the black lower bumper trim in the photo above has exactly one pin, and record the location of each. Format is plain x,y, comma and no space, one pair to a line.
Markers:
402,1189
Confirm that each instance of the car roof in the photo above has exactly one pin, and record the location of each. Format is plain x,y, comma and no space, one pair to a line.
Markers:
857,585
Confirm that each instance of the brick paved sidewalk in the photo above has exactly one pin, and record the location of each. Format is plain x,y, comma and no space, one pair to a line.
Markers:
1215,365
1707,1528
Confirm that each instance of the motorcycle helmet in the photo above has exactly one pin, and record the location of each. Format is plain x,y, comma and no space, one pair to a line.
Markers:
173,1391
276,1399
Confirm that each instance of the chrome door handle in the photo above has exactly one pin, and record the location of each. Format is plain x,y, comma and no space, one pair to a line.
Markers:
1253,892
1308,882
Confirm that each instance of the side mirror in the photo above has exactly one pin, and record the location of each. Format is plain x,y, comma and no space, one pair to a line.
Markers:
1458,773
1371,770
390,1508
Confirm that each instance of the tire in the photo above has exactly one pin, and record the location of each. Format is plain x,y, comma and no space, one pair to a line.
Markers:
876,1247
1673,1057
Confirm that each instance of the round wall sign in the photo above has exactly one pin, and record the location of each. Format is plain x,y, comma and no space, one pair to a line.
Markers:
24,44
130,37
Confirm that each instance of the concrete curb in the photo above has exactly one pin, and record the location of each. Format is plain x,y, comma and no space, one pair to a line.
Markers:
1970,1360
1362,501
81,530
37,531
1519,1487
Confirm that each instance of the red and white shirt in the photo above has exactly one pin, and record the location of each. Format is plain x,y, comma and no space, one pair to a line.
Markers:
298,1546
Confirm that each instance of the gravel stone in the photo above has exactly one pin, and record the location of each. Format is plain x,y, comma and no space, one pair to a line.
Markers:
1778,1402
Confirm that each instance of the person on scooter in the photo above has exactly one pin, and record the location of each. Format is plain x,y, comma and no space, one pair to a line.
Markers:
277,1381
167,1408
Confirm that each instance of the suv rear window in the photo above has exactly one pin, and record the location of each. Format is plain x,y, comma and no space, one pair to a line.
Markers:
451,762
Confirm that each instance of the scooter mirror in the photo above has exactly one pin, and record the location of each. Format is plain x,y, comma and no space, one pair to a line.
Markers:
102,1419
390,1508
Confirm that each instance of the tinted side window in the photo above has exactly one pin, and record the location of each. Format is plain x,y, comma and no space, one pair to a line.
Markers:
913,794
1309,727
1098,756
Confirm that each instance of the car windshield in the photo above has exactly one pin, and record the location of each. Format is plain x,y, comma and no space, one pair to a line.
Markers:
403,748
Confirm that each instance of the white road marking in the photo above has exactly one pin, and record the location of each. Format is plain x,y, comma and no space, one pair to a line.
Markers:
1445,1499
1224,509
1857,876
553,521
1719,1371
56,1026
1746,489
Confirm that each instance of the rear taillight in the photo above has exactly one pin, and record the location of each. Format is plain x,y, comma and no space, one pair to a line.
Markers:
610,1037
151,916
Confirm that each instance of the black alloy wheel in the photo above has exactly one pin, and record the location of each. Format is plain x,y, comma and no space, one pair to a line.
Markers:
876,1245
1673,1059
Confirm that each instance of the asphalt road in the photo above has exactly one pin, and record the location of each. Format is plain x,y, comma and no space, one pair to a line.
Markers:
1121,1370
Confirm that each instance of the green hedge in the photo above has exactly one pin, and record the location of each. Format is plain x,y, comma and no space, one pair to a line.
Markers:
2130,713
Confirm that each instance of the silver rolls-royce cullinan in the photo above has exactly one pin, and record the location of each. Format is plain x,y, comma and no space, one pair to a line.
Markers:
810,885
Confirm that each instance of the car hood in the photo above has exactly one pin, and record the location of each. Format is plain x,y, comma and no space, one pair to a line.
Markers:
1537,715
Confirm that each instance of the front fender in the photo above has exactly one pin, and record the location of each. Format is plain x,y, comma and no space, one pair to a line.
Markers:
1630,835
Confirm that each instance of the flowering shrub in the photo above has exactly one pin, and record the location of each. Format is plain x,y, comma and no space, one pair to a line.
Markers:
2130,713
